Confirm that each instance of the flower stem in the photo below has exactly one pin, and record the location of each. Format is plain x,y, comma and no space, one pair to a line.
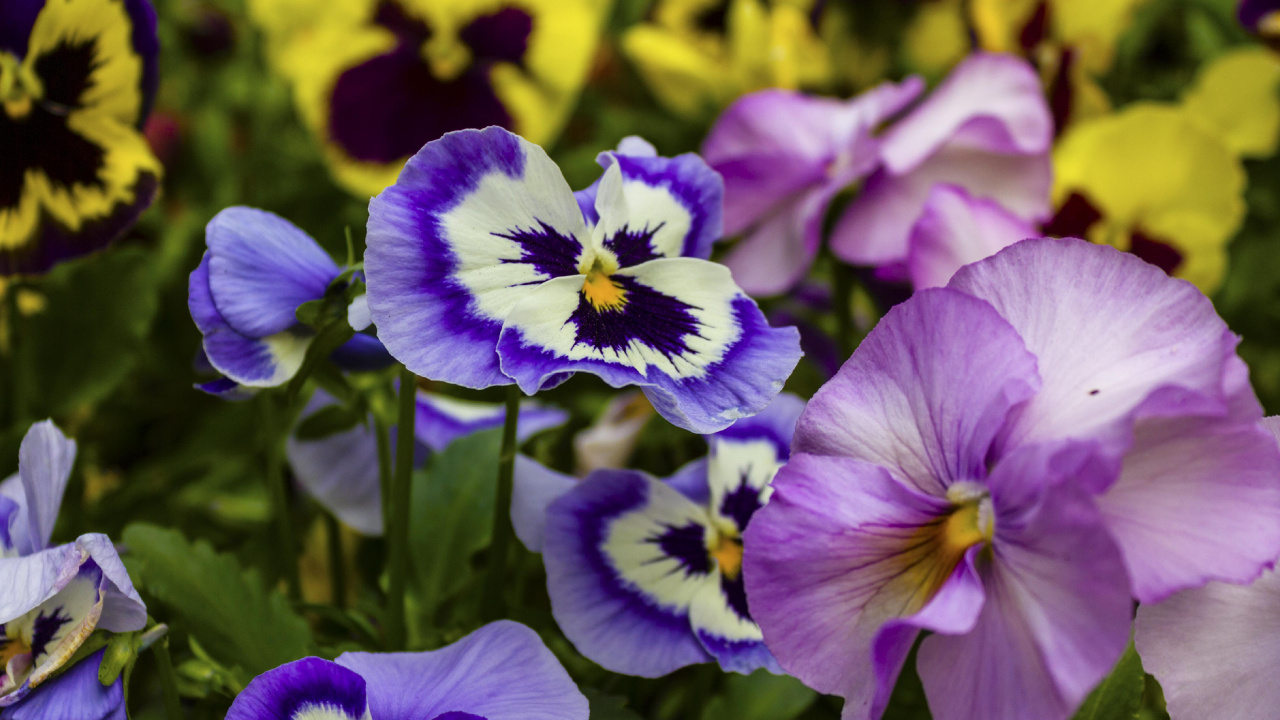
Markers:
337,568
842,301
384,469
502,530
168,680
398,511
276,487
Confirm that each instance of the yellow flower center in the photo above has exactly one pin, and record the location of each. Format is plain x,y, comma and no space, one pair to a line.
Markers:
601,290
19,87
931,552
728,555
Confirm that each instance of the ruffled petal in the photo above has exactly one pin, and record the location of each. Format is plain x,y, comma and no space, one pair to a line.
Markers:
652,207
743,459
44,466
1197,500
261,268
476,222
1214,649
626,555
500,672
703,352
926,393
1110,334
956,229
122,607
306,689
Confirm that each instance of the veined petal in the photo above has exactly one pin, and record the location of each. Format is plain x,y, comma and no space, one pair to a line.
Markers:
678,327
626,555
306,689
926,393
263,362
956,229
1197,499
1111,336
44,466
476,222
500,672
652,207
77,694
1213,649
122,609
723,625
261,268
33,579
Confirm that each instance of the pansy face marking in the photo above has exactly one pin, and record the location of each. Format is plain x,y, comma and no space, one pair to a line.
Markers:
484,269
75,85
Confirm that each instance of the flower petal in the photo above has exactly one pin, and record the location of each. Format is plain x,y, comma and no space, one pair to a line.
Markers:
442,419
955,230
925,394
500,672
1213,649
743,459
535,488
776,253
341,471
1197,500
261,268
306,689
476,221
651,207
1110,334
44,466
626,555
702,351
123,610
33,579
75,695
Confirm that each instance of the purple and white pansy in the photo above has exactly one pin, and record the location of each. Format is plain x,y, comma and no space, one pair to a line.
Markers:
500,672
341,470
52,598
244,296
645,575
1006,462
483,270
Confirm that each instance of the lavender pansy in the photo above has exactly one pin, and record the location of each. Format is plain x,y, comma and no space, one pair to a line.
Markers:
244,295
1004,462
341,470
784,157
484,271
645,576
51,598
956,229
986,128
500,672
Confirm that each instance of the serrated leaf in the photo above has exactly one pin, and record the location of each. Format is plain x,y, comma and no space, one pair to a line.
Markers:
1119,695
237,620
760,696
451,515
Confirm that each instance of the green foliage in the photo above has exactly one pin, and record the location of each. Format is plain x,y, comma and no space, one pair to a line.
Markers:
760,696
241,624
1119,696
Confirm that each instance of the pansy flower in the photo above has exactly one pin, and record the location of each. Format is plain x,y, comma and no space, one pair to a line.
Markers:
784,157
483,270
985,129
76,82
341,470
375,80
244,297
956,229
645,575
76,694
1005,462
52,598
500,672
696,56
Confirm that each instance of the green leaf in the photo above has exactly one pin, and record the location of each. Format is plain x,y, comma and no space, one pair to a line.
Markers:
1119,696
451,516
608,707
760,696
328,421
236,619
311,313
122,651
97,312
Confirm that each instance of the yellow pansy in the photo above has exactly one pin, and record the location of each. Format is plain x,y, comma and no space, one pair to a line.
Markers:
697,56
1237,97
1151,180
375,80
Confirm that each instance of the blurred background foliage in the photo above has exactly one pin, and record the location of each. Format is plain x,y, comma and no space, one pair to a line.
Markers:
105,346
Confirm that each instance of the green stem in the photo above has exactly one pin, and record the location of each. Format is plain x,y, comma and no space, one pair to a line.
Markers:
287,546
842,300
384,469
398,506
337,568
168,680
502,530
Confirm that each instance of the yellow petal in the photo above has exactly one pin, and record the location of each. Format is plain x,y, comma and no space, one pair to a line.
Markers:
1237,97
676,71
937,38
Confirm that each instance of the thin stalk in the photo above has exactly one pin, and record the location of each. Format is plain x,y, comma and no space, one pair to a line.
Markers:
384,469
398,509
286,544
337,568
168,680
502,530
842,301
